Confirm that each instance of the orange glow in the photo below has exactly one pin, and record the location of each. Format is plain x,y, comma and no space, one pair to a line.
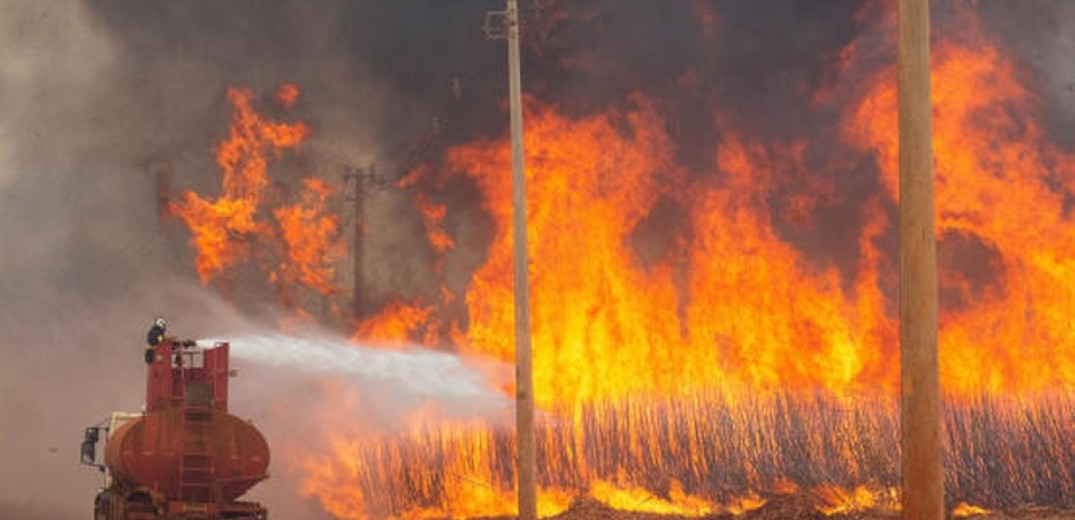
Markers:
836,500
964,510
398,321
707,19
633,498
287,95
433,216
466,485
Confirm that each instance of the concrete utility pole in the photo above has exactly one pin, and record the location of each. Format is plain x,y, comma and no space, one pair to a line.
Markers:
356,181
922,464
524,383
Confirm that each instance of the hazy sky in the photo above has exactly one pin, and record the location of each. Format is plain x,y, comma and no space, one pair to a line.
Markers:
93,93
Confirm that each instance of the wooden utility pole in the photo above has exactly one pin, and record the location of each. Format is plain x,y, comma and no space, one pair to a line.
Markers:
524,381
500,25
922,464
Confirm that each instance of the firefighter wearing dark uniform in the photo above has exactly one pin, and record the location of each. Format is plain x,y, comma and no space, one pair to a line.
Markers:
155,337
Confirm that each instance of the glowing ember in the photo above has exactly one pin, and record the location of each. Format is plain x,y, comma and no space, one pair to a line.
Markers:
287,95
433,216
964,510
635,498
841,501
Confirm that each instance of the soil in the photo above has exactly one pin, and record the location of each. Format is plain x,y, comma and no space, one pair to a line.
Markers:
793,508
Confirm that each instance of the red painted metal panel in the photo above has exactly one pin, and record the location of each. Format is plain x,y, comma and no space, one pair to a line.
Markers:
161,379
216,368
177,366
147,452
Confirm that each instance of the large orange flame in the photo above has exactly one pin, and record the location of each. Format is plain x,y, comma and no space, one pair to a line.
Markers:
601,320
222,228
310,237
299,245
753,313
1002,217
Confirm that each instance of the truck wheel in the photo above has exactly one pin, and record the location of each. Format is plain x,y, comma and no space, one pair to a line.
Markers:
108,506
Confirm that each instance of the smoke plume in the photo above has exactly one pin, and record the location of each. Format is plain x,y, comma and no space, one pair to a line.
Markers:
105,102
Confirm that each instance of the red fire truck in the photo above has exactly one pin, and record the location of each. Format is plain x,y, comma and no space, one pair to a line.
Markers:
184,456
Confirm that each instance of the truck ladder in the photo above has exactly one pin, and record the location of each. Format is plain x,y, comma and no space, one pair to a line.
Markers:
196,464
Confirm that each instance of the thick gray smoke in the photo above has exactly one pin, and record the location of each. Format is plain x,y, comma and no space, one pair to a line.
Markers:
52,56
97,96
1043,35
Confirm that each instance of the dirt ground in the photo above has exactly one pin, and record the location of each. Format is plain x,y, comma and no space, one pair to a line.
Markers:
794,508
783,508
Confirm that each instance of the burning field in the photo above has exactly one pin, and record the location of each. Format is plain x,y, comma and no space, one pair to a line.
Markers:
713,337
695,353
714,278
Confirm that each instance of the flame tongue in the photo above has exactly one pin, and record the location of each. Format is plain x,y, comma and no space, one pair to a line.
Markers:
299,245
309,234
599,318
221,228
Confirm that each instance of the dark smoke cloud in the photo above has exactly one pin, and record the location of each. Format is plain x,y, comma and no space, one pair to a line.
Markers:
98,95
1042,34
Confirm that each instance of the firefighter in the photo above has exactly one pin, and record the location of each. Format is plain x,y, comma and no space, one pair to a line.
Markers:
155,337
